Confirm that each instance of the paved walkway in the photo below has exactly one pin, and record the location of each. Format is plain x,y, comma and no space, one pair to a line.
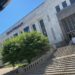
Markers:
5,70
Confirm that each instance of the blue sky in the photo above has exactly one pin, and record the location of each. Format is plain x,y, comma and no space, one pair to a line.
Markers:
15,11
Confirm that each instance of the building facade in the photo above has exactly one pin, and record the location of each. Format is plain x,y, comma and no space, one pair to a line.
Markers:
54,18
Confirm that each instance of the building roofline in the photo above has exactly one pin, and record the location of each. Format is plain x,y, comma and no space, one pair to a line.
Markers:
23,17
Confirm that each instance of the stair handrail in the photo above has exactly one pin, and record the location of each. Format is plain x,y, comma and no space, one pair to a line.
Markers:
38,61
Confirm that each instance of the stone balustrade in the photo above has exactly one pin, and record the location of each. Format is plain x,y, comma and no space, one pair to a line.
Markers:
37,62
67,50
62,64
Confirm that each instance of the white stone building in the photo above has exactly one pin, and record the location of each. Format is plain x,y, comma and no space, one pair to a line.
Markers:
54,18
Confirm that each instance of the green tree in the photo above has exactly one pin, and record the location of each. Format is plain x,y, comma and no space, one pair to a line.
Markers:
34,45
11,48
24,47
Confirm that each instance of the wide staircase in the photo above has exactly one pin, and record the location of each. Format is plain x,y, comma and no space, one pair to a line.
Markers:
56,62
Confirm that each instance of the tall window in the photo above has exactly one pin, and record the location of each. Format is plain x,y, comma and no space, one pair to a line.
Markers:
72,1
16,34
34,27
43,27
53,33
57,8
64,4
26,29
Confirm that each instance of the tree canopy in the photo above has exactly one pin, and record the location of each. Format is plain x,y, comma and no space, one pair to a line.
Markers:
25,47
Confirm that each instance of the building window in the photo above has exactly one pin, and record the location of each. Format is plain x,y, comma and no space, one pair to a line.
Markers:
53,33
34,27
43,27
48,17
72,1
26,29
16,34
64,4
21,32
57,8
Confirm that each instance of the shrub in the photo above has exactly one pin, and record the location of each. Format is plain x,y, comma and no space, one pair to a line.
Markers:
24,47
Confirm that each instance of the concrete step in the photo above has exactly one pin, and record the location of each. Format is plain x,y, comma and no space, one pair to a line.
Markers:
62,64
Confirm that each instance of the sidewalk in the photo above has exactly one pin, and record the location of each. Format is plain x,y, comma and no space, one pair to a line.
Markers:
5,70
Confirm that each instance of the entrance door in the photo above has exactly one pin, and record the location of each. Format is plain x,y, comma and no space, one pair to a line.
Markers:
68,25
